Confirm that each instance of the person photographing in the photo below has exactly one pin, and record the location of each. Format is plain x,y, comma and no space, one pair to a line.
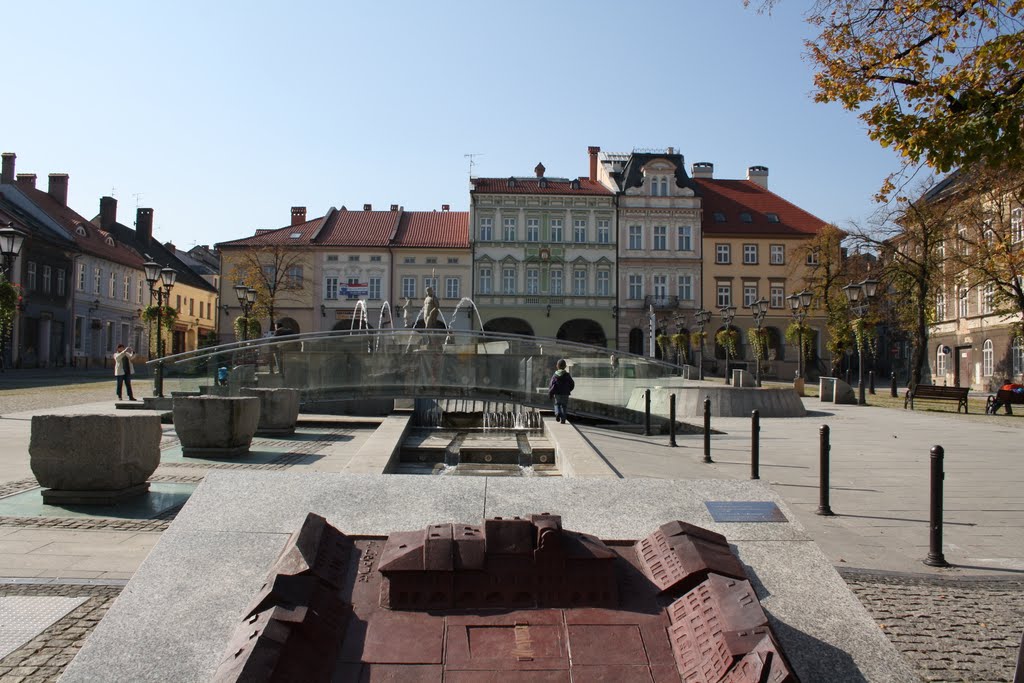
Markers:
123,370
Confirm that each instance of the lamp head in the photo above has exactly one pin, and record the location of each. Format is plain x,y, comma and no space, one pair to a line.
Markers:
152,269
168,276
870,288
805,298
11,240
852,292
250,296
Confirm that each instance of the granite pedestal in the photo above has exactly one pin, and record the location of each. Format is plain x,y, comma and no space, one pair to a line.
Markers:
215,426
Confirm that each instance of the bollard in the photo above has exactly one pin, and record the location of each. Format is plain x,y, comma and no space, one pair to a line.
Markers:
871,382
707,430
823,452
672,420
849,378
158,380
892,389
935,558
755,445
647,412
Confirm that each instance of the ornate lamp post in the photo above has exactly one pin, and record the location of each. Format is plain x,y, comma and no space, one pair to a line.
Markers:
860,296
166,277
760,309
799,304
727,313
702,318
11,240
246,299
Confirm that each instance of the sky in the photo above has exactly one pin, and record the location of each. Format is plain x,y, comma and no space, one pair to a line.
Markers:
220,116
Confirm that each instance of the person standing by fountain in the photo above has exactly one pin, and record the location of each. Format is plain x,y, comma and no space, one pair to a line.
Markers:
561,386
123,370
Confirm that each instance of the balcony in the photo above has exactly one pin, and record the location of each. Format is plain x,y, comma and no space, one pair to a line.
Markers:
661,302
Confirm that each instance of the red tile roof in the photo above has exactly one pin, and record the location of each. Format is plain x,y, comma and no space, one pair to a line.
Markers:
532,186
433,229
359,228
734,197
279,236
95,240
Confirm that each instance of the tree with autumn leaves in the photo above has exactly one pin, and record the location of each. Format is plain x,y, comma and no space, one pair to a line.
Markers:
274,271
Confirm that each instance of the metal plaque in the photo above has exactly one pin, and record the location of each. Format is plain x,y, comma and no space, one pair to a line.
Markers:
744,511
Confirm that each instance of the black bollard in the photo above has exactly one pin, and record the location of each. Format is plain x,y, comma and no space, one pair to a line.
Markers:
755,445
892,388
672,420
707,430
935,558
823,453
647,412
871,382
158,380
849,378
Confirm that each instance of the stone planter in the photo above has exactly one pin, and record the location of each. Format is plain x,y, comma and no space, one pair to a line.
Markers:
279,410
215,426
94,459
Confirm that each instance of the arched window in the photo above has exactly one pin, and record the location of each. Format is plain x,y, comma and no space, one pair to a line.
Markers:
987,359
1018,356
940,361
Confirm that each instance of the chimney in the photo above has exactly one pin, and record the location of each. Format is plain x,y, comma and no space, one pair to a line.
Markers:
8,172
671,150
144,225
445,207
169,246
593,152
108,212
539,170
58,188
298,215
394,207
703,169
758,175
367,207
26,180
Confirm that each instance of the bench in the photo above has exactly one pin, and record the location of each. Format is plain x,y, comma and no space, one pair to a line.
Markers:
936,393
1006,398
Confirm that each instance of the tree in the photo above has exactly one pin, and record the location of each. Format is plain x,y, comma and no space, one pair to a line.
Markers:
274,271
941,81
826,275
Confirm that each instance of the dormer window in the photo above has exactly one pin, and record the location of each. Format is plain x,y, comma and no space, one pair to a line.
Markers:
295,235
659,186
80,230
109,241
511,182
772,217
719,217
575,184
746,217
543,182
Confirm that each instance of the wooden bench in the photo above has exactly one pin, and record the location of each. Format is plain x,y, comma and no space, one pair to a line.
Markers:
1006,398
936,393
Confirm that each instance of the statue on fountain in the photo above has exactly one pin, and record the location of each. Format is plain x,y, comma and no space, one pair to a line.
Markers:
430,309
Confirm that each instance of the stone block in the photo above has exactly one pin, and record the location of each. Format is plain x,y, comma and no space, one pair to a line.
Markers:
827,389
94,458
279,410
742,378
216,426
844,393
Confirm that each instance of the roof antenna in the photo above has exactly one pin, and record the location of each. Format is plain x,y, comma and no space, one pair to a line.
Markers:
472,160
138,196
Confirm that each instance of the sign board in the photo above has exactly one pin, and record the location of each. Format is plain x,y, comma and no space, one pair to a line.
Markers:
358,290
744,511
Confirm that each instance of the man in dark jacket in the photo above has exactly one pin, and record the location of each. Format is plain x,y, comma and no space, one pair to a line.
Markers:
561,386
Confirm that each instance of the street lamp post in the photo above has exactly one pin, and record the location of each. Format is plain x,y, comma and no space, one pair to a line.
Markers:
799,304
11,240
760,309
727,313
166,277
702,318
246,299
860,296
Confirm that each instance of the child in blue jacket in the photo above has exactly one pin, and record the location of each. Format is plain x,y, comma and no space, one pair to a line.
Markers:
561,386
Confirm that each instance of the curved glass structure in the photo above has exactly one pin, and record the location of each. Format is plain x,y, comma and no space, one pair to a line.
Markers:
357,365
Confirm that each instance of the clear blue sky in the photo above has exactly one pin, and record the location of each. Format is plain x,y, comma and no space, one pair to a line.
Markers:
223,115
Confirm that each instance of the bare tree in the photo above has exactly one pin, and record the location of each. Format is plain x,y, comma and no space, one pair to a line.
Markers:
275,272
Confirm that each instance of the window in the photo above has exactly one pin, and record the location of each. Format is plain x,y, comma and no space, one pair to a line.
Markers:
940,361
485,281
749,295
408,287
778,296
1017,225
178,305
202,309
556,282
636,237
603,283
451,288
61,281
579,282
963,301
486,229
191,306
750,254
772,217
660,238
1017,354
722,253
777,254
126,288
111,284
812,257
533,230
661,287
431,260
684,287
31,284
532,281
452,261
373,288
988,297
431,281
409,260
579,230
964,244
79,330
81,277
509,233
685,238
138,292
659,186
746,217
636,286
295,277
97,284
375,259
353,258
332,257
724,295
556,229
718,216
604,232
940,306
508,280
987,359
48,279
270,273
